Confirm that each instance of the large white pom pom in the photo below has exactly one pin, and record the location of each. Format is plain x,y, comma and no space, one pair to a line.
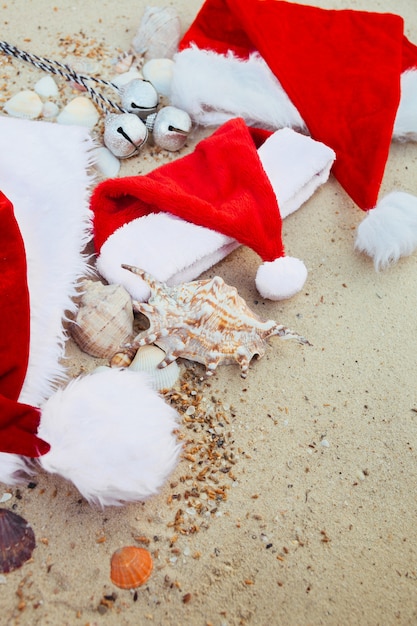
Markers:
281,279
111,435
389,231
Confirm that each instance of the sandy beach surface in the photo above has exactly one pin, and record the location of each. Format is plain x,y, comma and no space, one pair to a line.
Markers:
308,516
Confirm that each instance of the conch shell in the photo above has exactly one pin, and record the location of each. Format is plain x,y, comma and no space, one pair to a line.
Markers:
104,319
158,34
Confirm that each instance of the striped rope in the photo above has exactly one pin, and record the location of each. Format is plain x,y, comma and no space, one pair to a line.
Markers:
66,72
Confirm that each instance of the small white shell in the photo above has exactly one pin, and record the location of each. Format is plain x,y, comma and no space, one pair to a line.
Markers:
25,104
105,162
80,111
46,87
147,359
158,34
159,73
50,109
104,319
123,79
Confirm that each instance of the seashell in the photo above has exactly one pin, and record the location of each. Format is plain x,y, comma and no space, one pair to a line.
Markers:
17,541
104,320
25,104
105,162
46,87
158,34
123,358
130,567
80,112
126,77
147,360
124,63
205,321
50,109
159,73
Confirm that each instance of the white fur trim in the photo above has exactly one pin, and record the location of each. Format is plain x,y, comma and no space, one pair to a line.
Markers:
111,435
13,468
296,166
170,249
214,88
43,172
405,127
389,231
281,279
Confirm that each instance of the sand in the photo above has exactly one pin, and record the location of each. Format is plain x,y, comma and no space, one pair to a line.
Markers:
314,522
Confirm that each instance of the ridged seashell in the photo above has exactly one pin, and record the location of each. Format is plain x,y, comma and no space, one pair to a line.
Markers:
205,321
147,360
158,34
17,541
46,87
159,73
105,162
25,104
104,319
130,567
80,112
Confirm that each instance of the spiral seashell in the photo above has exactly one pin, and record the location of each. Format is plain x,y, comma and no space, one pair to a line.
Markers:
104,319
17,541
130,567
158,34
147,360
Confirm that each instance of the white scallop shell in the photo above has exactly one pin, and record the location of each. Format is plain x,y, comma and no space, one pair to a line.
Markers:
46,87
80,112
105,162
158,34
159,73
147,359
104,320
24,104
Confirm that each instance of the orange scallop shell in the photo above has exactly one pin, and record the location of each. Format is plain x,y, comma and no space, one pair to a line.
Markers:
130,567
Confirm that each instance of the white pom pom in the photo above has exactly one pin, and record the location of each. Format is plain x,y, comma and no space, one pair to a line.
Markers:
13,468
389,231
281,279
111,435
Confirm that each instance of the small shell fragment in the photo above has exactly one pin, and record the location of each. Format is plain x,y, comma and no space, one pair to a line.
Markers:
25,104
158,34
49,109
104,320
80,112
130,567
17,541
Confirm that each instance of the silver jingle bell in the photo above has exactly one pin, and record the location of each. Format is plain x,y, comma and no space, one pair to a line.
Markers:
169,127
139,97
124,134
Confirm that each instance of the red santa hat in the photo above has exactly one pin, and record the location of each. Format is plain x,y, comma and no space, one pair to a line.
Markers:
234,188
108,432
349,77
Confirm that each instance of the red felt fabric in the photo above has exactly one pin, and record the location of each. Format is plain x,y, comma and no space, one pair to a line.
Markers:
341,69
18,422
221,185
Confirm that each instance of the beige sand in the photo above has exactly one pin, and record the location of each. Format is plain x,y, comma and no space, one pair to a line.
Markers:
319,523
